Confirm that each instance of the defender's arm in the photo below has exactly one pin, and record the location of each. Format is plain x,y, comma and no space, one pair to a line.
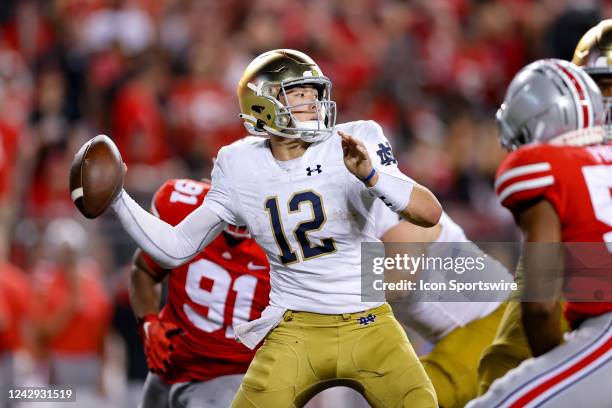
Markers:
145,287
540,224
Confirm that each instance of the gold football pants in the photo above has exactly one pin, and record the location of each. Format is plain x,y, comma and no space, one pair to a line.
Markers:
452,365
308,352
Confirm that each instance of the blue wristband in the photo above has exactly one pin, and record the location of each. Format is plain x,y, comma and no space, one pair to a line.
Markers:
372,173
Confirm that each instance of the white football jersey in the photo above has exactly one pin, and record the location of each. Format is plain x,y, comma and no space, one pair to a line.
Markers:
434,320
309,214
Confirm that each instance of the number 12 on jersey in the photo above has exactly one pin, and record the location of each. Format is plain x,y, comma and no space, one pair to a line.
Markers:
287,253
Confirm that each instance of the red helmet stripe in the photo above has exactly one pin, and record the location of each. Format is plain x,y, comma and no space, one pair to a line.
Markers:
584,101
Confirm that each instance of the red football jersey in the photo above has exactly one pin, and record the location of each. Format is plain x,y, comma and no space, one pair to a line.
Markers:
577,181
226,284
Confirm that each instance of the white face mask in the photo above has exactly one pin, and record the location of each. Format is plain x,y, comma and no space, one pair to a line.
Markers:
312,130
309,124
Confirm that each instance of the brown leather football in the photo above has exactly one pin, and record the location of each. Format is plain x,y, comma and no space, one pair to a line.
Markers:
96,176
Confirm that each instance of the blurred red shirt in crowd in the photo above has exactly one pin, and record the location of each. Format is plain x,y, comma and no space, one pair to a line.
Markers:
204,117
137,122
28,32
76,319
8,154
48,195
15,298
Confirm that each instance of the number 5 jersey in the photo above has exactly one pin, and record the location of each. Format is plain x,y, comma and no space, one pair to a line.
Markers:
577,181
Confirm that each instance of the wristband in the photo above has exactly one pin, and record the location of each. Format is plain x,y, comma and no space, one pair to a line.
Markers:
372,173
394,191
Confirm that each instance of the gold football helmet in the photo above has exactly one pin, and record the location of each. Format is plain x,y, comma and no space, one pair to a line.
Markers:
594,50
264,84
594,54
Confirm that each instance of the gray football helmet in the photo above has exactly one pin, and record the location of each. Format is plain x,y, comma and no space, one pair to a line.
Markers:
546,99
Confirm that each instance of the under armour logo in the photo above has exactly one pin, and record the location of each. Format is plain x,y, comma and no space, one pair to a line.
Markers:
367,320
385,154
317,169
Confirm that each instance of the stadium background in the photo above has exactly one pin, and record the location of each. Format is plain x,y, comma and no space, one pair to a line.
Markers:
159,77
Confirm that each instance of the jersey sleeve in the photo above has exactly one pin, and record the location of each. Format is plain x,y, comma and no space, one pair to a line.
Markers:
153,268
380,150
170,246
451,231
219,199
384,218
172,202
527,176
177,198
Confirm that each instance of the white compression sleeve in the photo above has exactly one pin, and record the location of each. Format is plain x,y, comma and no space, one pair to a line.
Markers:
169,246
394,191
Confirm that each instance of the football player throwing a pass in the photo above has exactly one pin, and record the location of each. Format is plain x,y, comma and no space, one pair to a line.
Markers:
228,283
306,192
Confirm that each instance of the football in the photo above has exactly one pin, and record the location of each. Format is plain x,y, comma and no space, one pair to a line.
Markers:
96,176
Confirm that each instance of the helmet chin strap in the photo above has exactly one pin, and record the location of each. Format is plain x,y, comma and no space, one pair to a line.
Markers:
301,127
309,130
307,124
312,131
267,130
281,134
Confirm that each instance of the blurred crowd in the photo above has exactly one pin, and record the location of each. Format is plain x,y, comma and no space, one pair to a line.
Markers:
159,77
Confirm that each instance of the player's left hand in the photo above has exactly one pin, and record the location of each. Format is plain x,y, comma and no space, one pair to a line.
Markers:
158,338
356,157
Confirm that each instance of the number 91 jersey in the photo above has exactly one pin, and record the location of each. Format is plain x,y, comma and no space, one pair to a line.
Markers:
577,181
309,214
225,285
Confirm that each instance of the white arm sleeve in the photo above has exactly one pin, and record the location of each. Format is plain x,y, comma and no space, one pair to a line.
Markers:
219,199
169,246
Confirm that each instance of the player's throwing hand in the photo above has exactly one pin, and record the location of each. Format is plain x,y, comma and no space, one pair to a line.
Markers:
356,158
